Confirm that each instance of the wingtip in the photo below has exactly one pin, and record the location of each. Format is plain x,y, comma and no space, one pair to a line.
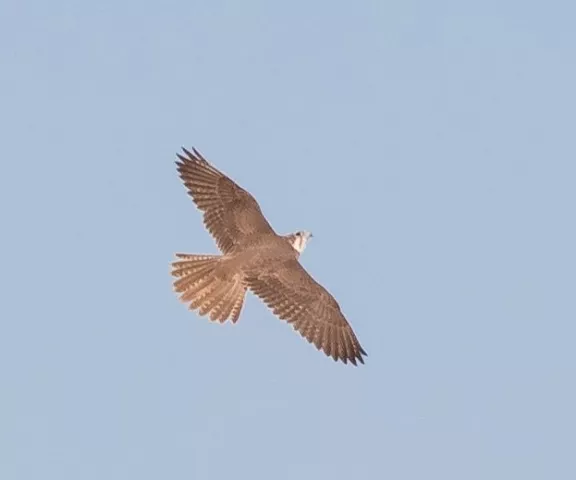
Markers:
187,152
357,358
186,158
191,155
354,360
199,155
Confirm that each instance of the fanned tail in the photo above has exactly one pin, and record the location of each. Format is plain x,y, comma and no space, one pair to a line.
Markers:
208,286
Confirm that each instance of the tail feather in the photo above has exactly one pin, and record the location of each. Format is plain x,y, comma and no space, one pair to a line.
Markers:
225,307
195,295
219,307
237,307
192,264
191,281
212,298
204,282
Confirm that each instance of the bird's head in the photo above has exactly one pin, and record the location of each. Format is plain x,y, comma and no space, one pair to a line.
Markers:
298,240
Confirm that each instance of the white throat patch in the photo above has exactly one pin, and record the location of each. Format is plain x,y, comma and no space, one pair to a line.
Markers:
299,241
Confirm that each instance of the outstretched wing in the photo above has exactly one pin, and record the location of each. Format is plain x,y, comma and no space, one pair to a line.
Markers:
294,296
230,212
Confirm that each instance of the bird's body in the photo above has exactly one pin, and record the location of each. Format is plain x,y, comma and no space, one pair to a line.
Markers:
254,257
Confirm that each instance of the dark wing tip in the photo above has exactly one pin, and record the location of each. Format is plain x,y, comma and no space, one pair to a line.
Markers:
188,159
353,354
188,152
360,353
199,155
353,359
183,160
193,155
356,357
188,155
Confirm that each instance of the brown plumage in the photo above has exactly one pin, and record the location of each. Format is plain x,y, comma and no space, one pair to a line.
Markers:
254,257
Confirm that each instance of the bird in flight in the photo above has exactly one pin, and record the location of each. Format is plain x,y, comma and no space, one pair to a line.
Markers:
254,257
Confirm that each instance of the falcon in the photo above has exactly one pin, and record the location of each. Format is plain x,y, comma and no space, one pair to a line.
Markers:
254,257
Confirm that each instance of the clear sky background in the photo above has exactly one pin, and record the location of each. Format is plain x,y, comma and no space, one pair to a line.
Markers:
430,148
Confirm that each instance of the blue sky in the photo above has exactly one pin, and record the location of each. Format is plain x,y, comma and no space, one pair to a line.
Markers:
430,148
